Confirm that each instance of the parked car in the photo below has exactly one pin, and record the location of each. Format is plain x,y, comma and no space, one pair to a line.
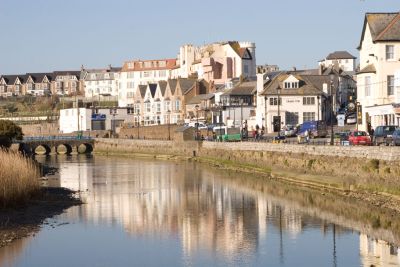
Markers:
383,135
396,137
289,131
316,129
341,136
359,138
351,118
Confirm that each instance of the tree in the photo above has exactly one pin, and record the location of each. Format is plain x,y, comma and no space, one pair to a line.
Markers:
8,131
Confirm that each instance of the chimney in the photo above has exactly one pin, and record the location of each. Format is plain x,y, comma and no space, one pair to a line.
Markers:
294,69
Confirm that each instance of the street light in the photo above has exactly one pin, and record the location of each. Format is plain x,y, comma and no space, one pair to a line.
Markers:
332,77
169,134
197,122
278,90
220,119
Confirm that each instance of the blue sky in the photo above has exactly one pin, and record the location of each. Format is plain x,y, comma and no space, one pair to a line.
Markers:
47,35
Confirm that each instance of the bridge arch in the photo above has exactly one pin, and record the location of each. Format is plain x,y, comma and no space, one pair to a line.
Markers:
84,148
68,148
47,149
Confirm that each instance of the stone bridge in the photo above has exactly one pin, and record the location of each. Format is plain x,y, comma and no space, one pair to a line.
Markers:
82,144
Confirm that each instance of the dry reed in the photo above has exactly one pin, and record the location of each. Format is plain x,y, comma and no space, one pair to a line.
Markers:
18,178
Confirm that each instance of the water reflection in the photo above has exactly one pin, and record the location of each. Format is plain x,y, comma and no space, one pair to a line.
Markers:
218,218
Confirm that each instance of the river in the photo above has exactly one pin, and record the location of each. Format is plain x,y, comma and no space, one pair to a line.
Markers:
144,212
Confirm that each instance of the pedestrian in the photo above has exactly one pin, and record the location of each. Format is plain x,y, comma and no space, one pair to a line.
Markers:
307,133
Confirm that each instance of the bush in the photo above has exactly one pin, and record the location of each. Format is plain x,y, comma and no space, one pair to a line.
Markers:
8,131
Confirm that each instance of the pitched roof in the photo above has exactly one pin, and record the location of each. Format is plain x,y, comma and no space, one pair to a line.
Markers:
308,85
38,77
11,79
340,55
67,72
163,87
172,85
153,88
197,99
142,90
383,27
244,88
186,84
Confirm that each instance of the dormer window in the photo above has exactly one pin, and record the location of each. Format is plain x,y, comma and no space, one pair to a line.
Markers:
291,85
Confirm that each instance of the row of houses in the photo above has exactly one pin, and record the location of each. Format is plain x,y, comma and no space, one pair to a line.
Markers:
220,82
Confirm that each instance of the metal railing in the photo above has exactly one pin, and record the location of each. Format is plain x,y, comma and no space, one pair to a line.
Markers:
54,138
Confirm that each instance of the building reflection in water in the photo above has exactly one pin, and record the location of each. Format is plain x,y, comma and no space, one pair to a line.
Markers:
197,205
375,252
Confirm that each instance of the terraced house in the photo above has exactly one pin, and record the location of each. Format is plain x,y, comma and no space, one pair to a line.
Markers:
165,102
378,80
12,85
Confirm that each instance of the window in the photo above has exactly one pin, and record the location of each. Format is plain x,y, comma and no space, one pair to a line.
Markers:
246,69
146,74
137,109
389,52
390,85
309,100
273,101
73,84
289,85
37,87
177,105
93,76
162,73
106,75
292,118
130,75
130,85
147,106
130,65
29,86
158,107
367,85
2,88
167,105
308,116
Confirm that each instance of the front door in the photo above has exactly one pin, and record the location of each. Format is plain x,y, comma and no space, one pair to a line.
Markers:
276,121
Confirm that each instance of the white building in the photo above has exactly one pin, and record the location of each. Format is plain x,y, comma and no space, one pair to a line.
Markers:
85,119
293,99
100,81
340,59
141,72
378,87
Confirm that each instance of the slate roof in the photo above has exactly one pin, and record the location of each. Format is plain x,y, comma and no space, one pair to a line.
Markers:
197,99
383,27
163,87
340,55
10,79
308,85
172,84
244,88
142,90
38,77
153,88
186,84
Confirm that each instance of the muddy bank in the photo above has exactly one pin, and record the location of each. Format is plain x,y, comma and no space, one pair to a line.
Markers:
19,222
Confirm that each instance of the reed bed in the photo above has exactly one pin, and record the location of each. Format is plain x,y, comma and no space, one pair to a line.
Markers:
18,179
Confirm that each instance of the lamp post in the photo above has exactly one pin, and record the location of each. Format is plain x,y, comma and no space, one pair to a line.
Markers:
241,119
197,122
169,121
278,90
114,112
332,77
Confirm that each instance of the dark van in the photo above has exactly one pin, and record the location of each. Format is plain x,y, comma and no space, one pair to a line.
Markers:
316,128
383,135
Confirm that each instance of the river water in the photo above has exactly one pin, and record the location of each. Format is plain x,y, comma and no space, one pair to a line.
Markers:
143,212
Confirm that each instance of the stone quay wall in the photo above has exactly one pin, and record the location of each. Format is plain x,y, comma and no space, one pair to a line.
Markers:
373,167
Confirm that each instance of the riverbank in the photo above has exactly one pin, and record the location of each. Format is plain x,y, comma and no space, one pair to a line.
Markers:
21,221
369,173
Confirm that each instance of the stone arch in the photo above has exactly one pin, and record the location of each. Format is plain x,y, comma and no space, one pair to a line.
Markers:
46,147
88,148
68,149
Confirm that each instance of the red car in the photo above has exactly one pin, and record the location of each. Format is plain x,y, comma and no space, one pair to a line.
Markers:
359,138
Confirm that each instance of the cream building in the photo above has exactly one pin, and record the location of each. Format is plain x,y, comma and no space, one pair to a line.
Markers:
100,81
378,81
